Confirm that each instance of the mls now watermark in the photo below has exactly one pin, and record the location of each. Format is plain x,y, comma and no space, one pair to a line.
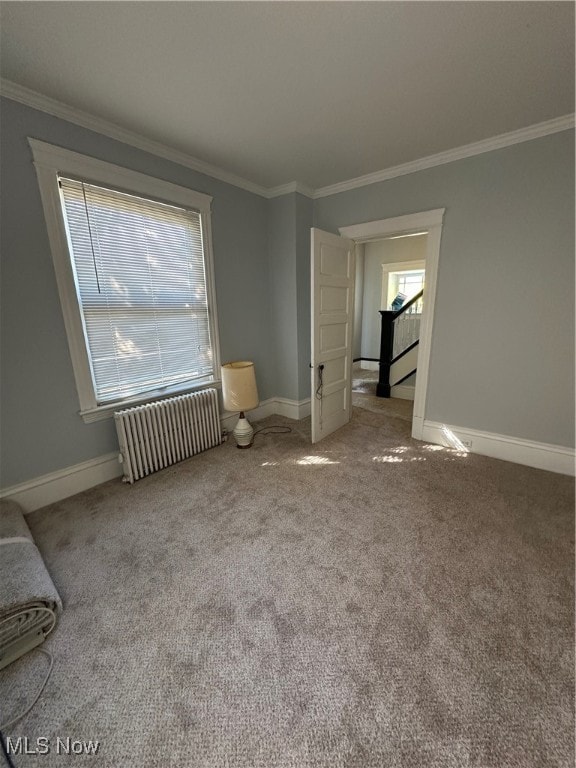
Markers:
43,745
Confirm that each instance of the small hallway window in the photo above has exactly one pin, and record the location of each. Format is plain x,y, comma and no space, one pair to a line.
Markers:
407,283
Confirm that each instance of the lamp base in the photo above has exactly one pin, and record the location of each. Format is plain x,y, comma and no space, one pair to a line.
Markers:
243,432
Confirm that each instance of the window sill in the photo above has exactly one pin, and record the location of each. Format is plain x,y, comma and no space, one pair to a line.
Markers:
101,412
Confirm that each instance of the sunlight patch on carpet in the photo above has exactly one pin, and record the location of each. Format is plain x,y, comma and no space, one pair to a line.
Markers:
321,460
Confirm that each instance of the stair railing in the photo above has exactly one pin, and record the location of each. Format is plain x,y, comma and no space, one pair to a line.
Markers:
400,333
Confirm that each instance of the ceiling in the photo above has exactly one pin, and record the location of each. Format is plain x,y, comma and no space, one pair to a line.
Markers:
318,92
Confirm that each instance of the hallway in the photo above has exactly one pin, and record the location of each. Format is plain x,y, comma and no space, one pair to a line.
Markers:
364,396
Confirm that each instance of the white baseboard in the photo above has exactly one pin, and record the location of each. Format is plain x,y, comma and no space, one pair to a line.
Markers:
366,365
369,365
275,406
266,408
292,409
56,486
554,458
403,391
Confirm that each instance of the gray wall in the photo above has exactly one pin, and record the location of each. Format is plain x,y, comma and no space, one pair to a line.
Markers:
41,430
304,220
359,304
289,222
502,356
370,343
503,347
283,293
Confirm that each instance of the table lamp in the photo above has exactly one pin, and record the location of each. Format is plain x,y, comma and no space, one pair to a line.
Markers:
240,394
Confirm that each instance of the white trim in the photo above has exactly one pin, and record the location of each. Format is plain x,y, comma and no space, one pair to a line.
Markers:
292,409
274,406
417,422
370,365
536,131
375,230
431,221
55,486
49,161
403,391
404,266
554,458
58,485
93,123
286,189
30,98
426,328
107,412
59,159
228,419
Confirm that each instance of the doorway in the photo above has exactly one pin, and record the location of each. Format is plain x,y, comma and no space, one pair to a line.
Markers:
428,223
389,274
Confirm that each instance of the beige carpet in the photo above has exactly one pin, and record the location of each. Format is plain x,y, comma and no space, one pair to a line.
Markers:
364,396
367,602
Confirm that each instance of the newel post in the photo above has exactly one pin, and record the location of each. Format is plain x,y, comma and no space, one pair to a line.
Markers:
386,340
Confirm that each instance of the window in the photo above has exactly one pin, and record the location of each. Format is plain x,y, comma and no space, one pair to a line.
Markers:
409,283
406,278
139,270
132,258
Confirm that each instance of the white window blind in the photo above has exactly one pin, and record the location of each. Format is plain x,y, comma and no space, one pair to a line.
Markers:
140,277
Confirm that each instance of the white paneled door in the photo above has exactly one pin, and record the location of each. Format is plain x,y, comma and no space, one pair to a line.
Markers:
333,274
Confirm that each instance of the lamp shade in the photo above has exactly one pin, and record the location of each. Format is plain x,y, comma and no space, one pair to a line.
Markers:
239,386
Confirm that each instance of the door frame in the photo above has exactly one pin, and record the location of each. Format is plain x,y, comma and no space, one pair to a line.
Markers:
431,223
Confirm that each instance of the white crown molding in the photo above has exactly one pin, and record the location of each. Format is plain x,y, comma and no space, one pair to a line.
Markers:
554,458
286,189
84,119
36,100
459,153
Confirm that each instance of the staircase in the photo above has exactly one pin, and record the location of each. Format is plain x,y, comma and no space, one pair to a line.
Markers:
399,342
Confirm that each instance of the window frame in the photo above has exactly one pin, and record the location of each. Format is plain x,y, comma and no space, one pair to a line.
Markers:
50,161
